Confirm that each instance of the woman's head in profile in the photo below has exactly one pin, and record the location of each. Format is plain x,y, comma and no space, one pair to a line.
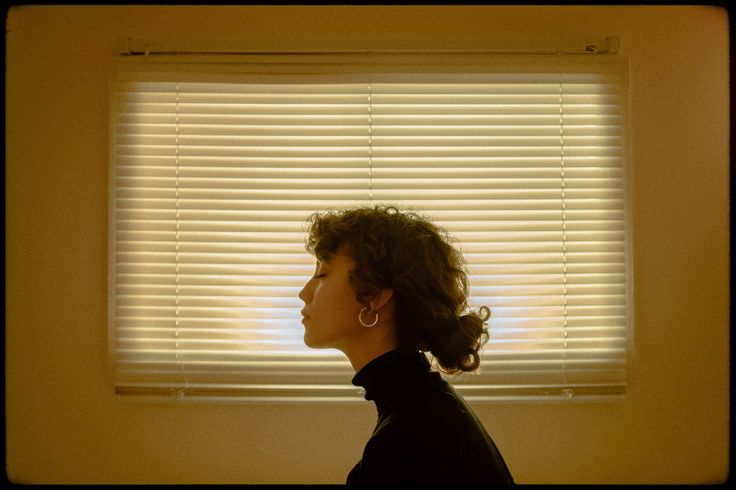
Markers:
379,261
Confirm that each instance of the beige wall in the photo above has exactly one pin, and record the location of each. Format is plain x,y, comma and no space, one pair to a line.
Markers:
63,422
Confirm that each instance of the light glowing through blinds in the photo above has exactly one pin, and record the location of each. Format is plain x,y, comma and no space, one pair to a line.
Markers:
212,179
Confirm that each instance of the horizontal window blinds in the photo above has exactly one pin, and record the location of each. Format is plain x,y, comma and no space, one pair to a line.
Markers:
216,167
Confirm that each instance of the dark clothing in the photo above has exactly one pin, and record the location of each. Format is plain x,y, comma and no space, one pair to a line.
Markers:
426,432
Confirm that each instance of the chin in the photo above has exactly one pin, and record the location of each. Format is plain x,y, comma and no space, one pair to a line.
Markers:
313,343
309,341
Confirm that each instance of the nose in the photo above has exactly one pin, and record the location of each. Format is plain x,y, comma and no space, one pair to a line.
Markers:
305,294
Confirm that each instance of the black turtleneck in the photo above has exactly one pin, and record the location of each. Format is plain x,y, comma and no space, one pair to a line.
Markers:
426,432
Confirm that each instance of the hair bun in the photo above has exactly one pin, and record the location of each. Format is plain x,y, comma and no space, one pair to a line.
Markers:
458,351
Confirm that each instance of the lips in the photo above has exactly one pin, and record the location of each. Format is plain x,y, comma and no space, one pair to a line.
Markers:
304,315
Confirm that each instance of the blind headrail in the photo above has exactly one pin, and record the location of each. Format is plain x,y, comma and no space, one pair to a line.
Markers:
138,47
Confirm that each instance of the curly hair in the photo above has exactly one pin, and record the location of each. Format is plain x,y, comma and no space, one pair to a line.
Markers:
405,252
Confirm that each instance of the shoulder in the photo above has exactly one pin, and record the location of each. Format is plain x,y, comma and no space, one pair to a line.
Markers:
438,400
434,437
430,417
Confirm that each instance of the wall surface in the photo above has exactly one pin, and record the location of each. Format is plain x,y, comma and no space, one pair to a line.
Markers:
64,424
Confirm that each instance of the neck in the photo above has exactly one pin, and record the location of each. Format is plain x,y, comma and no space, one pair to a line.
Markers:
395,378
374,344
361,358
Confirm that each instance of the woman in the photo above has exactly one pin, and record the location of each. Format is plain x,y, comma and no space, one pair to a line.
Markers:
388,287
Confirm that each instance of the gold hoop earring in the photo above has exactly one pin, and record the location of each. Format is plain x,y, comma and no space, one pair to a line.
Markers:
368,325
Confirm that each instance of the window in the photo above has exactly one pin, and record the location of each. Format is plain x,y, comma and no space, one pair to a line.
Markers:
216,162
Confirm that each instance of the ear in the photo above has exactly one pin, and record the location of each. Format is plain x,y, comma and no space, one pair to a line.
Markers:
379,300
